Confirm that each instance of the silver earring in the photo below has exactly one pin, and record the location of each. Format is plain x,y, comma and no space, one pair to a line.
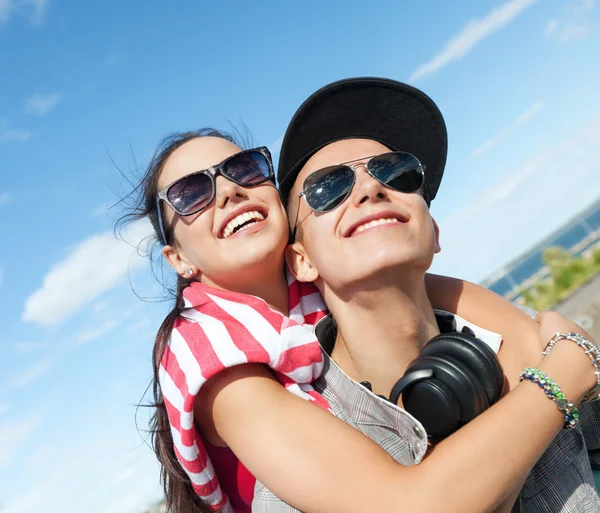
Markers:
189,272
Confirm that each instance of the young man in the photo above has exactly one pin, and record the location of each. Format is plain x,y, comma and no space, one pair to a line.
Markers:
365,237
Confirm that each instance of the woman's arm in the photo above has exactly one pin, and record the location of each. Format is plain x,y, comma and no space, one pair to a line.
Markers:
521,345
319,464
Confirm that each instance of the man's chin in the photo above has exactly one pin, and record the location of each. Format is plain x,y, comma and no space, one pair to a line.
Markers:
403,263
373,277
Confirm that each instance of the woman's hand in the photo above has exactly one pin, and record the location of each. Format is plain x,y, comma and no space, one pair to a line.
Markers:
569,365
552,323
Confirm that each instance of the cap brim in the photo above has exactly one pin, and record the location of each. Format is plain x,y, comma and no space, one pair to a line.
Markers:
395,114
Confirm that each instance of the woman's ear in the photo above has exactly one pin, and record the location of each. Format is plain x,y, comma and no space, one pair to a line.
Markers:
179,264
436,230
299,263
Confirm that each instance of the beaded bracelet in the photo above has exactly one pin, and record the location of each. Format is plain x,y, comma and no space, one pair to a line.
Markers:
590,349
553,391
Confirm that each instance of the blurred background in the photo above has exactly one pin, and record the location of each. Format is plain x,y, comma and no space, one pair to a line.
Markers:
87,89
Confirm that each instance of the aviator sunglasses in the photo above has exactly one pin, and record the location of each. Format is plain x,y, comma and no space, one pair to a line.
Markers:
194,192
326,189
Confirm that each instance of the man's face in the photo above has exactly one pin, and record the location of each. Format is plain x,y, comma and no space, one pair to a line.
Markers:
376,229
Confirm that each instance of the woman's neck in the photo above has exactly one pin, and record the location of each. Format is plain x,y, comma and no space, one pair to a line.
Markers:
271,287
380,331
275,293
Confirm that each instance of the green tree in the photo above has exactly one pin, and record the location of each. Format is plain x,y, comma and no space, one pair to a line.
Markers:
567,273
555,256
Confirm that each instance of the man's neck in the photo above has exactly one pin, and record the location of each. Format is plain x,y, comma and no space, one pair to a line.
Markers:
380,331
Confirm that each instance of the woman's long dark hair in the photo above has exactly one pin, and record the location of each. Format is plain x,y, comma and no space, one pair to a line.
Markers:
179,494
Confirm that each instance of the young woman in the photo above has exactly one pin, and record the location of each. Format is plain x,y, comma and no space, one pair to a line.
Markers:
224,231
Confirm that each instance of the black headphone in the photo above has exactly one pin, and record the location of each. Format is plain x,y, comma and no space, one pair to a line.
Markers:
455,378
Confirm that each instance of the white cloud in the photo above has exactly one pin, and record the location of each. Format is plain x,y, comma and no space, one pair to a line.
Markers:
41,104
506,132
11,134
529,113
14,433
471,34
95,266
110,322
39,8
126,473
5,198
27,504
26,346
35,10
7,133
138,326
584,6
33,373
574,32
527,204
124,479
100,306
6,8
551,27
101,210
90,334
573,29
113,59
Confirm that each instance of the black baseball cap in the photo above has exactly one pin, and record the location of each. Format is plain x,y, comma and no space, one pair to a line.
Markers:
390,112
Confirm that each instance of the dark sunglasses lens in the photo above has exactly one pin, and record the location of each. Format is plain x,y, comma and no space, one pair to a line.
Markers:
400,171
325,189
250,168
191,193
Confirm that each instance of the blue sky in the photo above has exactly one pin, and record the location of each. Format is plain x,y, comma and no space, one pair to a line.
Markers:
87,87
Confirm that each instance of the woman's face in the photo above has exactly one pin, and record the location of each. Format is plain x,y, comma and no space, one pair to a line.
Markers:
219,251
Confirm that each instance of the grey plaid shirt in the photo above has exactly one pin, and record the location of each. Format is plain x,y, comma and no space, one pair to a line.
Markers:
560,482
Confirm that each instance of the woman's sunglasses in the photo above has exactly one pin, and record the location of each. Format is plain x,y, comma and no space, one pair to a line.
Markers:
194,192
327,188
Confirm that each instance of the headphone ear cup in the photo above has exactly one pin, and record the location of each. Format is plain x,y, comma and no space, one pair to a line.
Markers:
475,355
433,403
326,331
443,403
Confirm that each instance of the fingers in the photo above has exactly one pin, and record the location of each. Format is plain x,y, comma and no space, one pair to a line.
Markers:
547,317
553,322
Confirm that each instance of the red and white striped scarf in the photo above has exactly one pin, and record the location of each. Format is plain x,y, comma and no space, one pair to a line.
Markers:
219,329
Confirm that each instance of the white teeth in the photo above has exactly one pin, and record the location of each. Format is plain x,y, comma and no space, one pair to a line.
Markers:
240,220
377,222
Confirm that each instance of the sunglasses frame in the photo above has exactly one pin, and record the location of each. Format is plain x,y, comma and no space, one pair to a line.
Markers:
362,162
212,172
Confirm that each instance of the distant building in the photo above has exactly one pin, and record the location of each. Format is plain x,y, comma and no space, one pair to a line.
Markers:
578,235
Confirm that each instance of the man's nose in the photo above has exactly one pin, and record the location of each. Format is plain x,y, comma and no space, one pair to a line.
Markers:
367,188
